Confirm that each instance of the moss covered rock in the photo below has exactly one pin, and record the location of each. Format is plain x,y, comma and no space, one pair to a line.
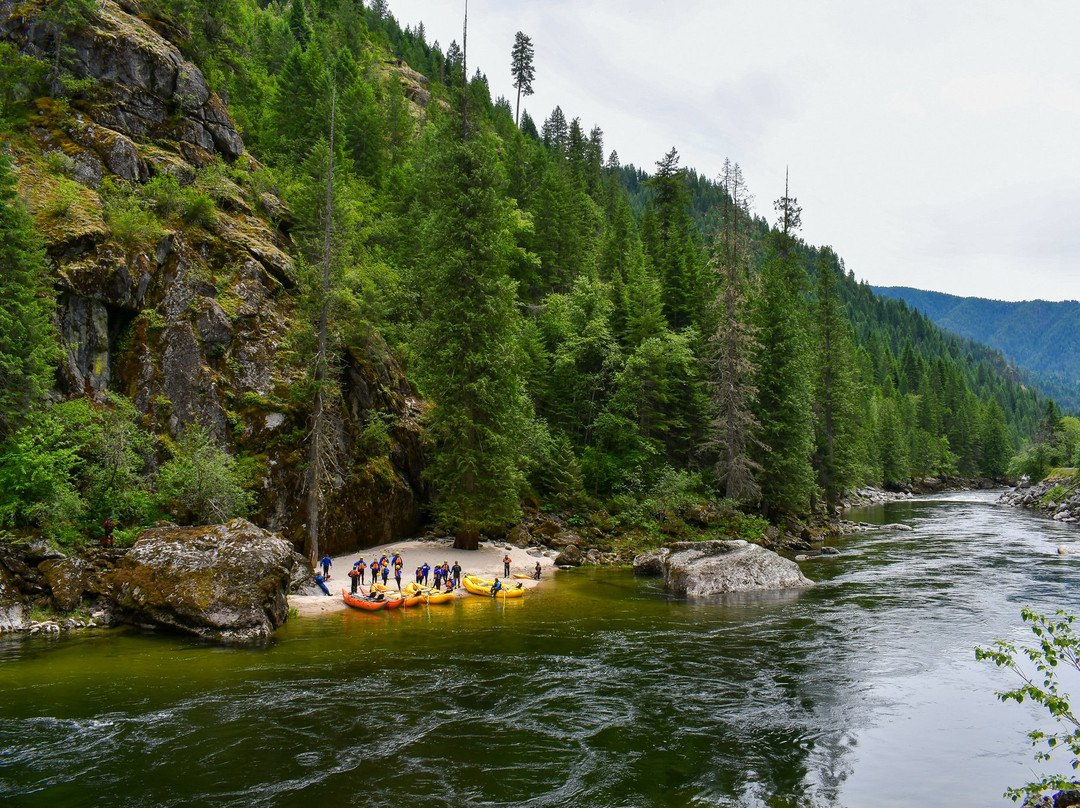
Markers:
226,583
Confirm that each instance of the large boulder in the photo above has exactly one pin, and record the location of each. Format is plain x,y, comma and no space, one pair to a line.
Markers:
14,610
67,579
698,569
220,582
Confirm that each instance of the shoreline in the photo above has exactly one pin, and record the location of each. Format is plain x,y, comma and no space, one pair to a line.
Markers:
484,562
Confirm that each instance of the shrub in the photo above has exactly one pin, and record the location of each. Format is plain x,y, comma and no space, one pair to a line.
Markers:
202,483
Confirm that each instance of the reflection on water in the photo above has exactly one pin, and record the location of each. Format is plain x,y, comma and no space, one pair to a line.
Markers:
596,689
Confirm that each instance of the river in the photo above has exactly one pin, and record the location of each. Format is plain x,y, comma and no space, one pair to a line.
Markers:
594,690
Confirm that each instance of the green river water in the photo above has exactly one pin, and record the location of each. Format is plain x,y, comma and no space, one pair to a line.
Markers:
594,690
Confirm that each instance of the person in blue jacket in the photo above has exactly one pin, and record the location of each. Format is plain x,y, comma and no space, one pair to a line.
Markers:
319,580
495,587
326,562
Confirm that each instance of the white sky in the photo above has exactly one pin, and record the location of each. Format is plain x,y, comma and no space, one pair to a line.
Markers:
932,144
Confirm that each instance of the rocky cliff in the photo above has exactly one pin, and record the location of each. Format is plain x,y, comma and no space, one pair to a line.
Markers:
191,312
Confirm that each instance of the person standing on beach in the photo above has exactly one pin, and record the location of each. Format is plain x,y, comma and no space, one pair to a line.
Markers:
536,572
326,562
385,571
354,577
456,573
426,569
359,567
437,575
397,575
419,575
506,566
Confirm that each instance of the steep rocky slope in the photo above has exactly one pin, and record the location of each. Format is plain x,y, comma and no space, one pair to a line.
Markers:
192,314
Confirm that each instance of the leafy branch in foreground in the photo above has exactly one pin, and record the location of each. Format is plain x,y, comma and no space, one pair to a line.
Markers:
1057,648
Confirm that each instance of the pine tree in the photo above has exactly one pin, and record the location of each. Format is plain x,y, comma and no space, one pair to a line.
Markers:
732,346
996,444
555,132
28,347
322,451
840,449
784,371
522,69
298,24
468,339
671,247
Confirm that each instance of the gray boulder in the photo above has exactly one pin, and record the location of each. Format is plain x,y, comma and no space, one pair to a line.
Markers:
226,583
14,609
67,579
570,557
698,569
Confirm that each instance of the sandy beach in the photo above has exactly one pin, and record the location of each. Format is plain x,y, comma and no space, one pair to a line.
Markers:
486,562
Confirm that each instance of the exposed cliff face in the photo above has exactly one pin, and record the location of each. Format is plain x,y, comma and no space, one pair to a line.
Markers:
191,318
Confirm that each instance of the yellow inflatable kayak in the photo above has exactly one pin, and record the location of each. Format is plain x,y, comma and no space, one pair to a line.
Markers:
482,586
430,595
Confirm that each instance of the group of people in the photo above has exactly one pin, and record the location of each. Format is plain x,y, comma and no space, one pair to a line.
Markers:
439,576
435,577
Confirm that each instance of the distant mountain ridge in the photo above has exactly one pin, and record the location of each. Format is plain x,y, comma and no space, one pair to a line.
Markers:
1040,336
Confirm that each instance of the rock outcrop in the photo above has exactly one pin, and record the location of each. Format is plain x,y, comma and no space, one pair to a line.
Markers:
193,319
1057,497
226,583
698,569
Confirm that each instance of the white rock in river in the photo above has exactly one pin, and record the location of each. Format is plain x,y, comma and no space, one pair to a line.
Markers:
715,567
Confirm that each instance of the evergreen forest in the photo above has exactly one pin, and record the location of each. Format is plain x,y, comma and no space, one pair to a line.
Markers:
583,334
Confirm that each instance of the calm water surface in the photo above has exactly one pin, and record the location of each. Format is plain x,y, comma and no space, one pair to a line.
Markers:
595,690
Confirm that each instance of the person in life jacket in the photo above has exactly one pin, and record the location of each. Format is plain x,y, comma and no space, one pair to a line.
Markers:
359,566
397,576
536,572
506,566
495,587
385,572
437,576
354,576
426,569
419,575
109,525
319,580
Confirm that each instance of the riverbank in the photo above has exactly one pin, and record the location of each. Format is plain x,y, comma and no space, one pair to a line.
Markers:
1056,497
484,562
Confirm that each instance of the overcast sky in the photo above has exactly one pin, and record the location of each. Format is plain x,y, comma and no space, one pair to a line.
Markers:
932,144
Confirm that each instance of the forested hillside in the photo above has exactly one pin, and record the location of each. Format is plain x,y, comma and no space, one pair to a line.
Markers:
1037,335
574,333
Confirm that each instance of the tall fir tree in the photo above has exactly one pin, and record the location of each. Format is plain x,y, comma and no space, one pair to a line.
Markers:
839,456
468,340
783,371
732,347
522,69
28,346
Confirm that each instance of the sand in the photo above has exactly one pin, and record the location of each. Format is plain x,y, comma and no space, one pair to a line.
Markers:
485,562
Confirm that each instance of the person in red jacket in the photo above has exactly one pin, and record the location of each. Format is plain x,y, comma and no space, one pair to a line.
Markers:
108,526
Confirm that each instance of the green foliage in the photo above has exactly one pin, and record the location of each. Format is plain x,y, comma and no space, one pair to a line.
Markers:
133,226
1039,666
467,341
375,438
21,78
202,483
38,464
28,345
75,463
